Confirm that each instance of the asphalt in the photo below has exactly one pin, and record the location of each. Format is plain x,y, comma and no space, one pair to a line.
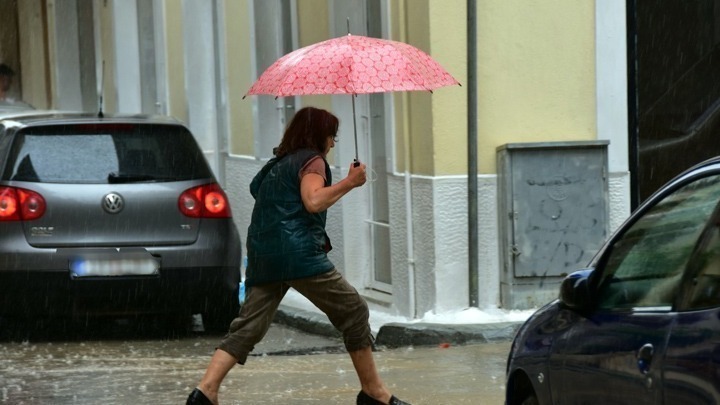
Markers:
393,335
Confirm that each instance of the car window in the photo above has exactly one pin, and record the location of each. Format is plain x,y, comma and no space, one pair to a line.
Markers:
105,153
645,265
700,288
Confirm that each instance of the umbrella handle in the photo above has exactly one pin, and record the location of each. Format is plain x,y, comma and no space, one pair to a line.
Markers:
357,162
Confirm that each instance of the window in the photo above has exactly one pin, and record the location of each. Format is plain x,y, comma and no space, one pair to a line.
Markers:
646,265
106,154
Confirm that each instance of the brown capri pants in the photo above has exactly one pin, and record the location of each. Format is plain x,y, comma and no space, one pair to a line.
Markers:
330,292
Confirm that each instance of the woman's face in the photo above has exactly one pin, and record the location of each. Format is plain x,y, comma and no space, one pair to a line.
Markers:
330,144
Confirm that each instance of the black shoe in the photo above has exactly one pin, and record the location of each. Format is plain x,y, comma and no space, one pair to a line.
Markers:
365,399
395,401
197,397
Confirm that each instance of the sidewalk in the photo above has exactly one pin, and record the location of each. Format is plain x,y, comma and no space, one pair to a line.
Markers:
398,334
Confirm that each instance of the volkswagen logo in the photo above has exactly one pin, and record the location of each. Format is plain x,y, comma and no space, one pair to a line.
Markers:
113,203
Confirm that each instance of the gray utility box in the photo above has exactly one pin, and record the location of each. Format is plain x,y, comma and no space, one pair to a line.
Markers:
553,215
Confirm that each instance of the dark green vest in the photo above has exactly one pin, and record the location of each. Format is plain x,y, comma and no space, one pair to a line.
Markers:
285,241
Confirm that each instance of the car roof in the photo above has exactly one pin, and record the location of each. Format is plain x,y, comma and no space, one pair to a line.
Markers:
28,118
701,166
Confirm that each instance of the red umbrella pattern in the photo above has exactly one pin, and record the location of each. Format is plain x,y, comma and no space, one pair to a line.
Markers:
352,64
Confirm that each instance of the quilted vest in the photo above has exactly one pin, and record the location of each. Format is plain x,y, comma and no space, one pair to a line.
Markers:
285,241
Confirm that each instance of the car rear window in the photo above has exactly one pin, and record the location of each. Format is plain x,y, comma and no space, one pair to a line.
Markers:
105,153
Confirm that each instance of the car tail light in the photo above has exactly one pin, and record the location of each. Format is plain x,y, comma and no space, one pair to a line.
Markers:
18,204
206,201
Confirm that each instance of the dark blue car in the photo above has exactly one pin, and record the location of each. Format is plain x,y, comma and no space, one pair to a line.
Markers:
640,325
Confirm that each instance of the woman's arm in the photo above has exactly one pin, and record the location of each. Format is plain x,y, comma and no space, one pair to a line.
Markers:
317,198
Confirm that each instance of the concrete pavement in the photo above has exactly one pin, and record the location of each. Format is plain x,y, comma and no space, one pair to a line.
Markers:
127,361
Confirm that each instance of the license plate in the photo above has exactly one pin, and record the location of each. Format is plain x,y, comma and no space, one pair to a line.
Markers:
125,265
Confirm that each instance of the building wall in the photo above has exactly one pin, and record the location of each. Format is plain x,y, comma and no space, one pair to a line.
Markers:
537,82
9,41
173,25
239,78
536,73
448,45
33,58
548,70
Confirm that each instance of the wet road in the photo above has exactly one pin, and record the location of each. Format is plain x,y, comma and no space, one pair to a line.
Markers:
148,369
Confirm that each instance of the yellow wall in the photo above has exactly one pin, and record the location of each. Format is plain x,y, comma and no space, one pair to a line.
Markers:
313,27
448,45
239,80
536,74
175,60
430,128
33,59
9,50
398,32
419,105
536,78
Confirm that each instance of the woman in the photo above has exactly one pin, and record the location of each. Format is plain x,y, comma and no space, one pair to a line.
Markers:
287,248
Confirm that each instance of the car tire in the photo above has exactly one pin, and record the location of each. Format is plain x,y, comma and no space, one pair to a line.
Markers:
530,399
217,315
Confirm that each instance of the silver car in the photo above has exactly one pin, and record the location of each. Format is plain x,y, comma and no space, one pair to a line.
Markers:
112,215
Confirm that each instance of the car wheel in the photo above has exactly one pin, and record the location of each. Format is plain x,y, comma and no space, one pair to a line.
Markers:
520,390
530,399
218,314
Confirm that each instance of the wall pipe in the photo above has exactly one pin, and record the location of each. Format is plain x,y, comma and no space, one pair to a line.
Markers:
472,153
409,230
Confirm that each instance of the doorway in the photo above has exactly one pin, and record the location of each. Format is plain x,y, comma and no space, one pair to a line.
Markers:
372,111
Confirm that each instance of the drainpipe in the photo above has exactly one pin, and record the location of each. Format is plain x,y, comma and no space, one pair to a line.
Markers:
472,152
409,230
412,293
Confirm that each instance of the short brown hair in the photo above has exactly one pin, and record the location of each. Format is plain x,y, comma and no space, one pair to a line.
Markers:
309,129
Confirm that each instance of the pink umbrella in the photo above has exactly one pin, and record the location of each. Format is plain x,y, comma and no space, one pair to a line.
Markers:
352,64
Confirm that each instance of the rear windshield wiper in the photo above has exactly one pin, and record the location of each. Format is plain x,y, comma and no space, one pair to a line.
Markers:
129,178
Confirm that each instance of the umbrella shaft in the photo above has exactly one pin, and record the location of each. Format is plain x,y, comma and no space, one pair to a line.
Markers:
354,127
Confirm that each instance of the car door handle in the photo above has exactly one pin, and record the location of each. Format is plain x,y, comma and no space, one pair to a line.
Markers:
644,358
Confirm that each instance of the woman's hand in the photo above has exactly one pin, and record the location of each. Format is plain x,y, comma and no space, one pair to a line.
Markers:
357,175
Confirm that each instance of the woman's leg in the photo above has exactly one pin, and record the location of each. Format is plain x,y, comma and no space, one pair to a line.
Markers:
246,330
349,313
220,364
370,380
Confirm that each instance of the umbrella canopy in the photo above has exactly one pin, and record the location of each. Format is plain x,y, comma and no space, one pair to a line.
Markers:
352,64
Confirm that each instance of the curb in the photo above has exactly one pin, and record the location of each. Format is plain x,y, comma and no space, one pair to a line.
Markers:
395,335
432,334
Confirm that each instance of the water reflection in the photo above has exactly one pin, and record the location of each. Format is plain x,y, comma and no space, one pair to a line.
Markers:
138,369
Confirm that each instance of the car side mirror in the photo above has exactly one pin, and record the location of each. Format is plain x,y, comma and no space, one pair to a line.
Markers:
574,290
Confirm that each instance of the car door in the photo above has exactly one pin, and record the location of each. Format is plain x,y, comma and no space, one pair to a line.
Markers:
596,359
614,353
691,368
